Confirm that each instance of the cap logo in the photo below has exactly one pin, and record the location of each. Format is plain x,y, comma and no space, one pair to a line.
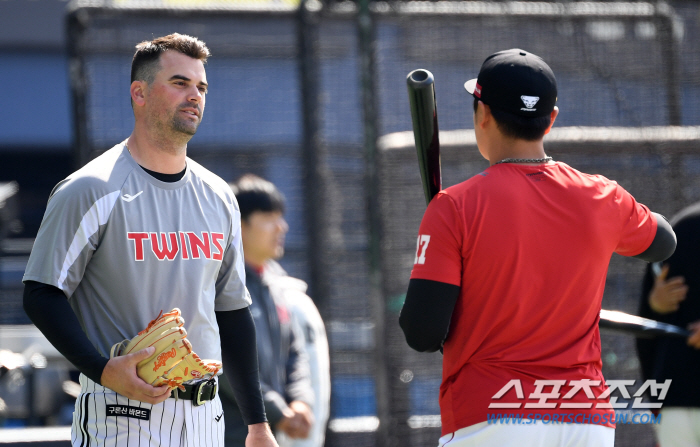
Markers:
529,102
477,90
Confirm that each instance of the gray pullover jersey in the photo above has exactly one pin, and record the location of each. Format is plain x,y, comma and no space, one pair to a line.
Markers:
123,246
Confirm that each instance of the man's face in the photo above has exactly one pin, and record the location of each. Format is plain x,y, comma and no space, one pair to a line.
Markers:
263,236
176,97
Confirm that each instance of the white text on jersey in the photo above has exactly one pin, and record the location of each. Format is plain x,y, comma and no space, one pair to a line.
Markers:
421,247
166,246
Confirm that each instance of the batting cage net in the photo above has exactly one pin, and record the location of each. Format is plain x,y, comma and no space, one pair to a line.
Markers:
313,98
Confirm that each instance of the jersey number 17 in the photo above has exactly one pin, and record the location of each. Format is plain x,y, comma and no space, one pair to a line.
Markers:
421,247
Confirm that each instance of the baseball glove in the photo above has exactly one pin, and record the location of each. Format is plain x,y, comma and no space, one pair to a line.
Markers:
173,362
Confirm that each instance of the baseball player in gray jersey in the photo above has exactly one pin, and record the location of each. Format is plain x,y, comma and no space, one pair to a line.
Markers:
140,230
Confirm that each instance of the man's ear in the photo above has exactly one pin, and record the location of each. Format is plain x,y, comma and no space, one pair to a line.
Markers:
483,115
138,92
554,114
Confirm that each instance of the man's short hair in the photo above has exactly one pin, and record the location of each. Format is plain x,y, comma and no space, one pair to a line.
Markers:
146,61
519,127
254,193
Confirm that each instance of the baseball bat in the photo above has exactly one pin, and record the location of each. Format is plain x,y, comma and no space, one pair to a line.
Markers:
421,96
638,326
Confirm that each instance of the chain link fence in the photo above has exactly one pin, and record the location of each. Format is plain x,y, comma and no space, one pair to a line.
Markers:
314,99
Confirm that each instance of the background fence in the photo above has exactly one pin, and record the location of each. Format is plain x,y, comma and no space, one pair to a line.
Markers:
314,99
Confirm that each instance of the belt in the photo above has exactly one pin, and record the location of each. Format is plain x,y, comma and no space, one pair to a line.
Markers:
198,392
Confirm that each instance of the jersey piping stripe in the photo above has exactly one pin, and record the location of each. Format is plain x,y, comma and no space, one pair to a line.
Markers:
150,433
73,433
128,431
86,436
97,215
94,407
76,422
104,397
116,424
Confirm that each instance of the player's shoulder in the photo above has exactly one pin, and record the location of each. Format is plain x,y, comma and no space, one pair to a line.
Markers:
103,175
564,169
456,193
213,182
588,184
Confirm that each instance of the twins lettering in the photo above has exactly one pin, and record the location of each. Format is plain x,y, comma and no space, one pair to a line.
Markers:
166,246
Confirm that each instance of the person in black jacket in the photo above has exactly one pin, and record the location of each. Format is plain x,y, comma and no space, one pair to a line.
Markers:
671,294
284,365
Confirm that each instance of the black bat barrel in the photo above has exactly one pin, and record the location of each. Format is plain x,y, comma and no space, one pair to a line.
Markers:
639,327
421,95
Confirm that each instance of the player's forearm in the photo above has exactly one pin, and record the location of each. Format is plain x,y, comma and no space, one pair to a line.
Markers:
49,310
427,312
240,358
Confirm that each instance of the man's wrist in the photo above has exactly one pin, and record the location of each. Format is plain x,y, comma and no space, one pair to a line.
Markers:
259,428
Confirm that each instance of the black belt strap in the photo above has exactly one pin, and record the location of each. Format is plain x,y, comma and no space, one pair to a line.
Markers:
198,392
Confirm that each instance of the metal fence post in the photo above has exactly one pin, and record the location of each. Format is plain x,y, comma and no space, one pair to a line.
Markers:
313,151
367,42
76,23
664,19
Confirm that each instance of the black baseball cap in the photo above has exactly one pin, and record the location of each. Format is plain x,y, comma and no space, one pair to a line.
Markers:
515,81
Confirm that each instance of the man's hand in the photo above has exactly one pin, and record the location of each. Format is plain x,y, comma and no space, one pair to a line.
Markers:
260,435
303,413
666,295
296,420
120,375
694,339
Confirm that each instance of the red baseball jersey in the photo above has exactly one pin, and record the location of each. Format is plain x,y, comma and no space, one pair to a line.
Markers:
529,247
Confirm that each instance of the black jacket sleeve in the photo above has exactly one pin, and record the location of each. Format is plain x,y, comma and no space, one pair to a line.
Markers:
647,347
664,243
240,358
298,385
427,312
49,310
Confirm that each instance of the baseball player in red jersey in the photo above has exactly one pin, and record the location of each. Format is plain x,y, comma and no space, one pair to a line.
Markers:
509,275
141,229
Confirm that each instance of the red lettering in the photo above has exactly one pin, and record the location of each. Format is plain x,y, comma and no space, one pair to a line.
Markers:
215,238
138,239
166,245
197,244
162,250
183,245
